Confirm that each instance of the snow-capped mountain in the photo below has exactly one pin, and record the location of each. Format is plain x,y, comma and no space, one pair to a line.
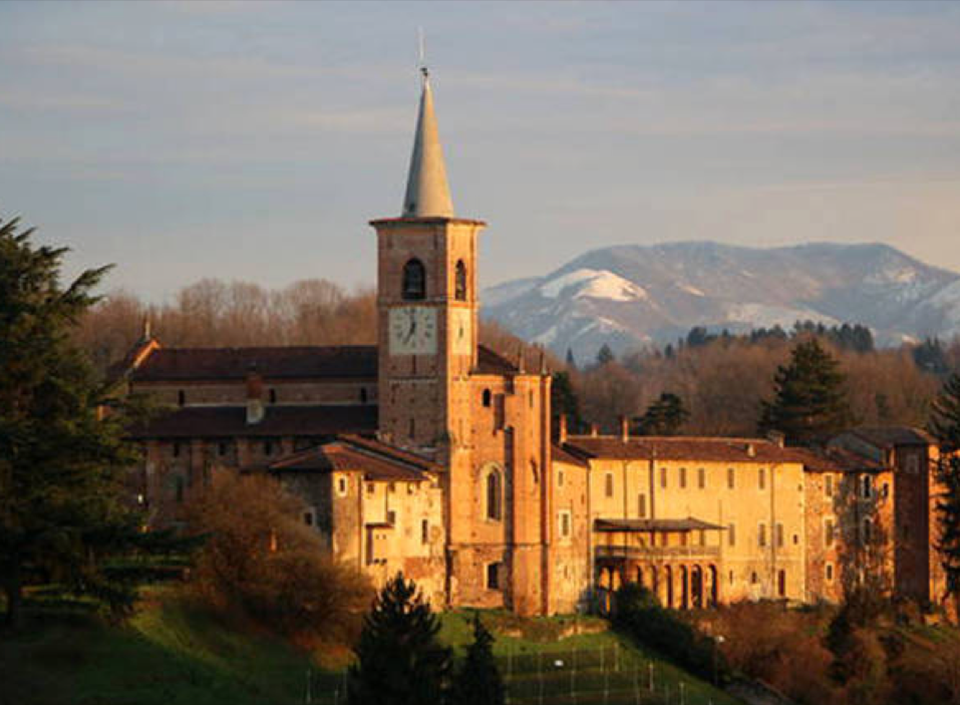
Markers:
630,295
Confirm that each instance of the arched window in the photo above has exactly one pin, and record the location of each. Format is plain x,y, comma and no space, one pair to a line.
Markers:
460,283
414,280
493,484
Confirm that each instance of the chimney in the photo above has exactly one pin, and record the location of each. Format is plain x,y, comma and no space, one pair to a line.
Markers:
777,437
520,359
562,431
624,429
543,361
255,408
751,450
594,430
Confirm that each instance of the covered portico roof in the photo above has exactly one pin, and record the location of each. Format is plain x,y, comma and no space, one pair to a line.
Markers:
654,525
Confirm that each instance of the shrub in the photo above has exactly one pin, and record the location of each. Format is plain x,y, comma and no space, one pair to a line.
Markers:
639,614
261,561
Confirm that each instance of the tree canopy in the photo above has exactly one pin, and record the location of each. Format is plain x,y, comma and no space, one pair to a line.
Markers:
478,682
399,659
810,400
664,417
61,457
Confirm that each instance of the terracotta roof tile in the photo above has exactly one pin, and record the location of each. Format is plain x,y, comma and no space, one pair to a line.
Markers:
563,454
304,362
683,448
890,436
377,460
231,422
492,363
633,525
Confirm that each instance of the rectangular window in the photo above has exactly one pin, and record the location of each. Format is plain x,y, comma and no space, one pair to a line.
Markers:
493,576
683,538
867,483
663,478
308,517
702,478
828,485
780,535
703,537
683,478
392,487
828,532
642,506
829,572
762,535
392,517
608,484
559,478
370,488
762,478
564,524
342,486
731,479
424,531
731,535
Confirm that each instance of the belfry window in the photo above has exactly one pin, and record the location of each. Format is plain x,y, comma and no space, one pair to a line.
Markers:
414,281
460,282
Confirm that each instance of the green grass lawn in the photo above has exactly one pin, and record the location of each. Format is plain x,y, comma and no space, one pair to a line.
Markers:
167,654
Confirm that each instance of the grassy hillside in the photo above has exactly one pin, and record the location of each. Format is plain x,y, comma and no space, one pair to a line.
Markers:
167,654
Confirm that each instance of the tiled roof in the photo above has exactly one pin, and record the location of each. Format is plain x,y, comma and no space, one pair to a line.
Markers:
377,460
231,422
890,436
562,455
683,448
492,363
303,362
836,459
632,525
294,362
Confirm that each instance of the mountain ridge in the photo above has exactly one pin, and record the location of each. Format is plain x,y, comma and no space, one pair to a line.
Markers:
634,295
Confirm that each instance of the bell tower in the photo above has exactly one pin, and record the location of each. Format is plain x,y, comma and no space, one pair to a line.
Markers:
426,300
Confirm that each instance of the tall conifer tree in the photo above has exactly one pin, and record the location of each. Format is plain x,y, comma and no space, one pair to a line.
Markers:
478,681
61,460
810,400
399,659
944,424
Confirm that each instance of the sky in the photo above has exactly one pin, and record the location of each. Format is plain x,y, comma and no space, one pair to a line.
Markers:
252,141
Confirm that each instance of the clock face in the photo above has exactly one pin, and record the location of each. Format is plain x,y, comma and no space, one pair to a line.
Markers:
413,330
460,331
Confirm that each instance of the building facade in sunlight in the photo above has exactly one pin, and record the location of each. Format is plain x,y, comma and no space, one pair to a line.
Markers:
433,455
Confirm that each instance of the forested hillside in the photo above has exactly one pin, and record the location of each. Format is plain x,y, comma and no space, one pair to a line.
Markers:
720,379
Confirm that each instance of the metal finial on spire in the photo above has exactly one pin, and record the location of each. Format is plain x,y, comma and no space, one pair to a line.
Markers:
422,46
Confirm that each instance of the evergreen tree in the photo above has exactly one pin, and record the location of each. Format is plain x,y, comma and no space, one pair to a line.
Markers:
944,424
564,401
61,460
571,361
944,421
399,660
664,417
478,682
810,401
605,355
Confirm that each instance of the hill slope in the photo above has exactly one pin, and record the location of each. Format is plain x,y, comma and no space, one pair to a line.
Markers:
629,295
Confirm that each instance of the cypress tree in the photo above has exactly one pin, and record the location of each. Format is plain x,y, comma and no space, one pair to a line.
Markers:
399,659
810,401
478,681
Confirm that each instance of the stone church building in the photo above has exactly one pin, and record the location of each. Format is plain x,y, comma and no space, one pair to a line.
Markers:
434,455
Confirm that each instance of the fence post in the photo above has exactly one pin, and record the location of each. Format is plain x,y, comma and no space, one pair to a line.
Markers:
651,675
309,696
683,699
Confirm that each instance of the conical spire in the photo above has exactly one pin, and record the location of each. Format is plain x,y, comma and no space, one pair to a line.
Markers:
428,194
